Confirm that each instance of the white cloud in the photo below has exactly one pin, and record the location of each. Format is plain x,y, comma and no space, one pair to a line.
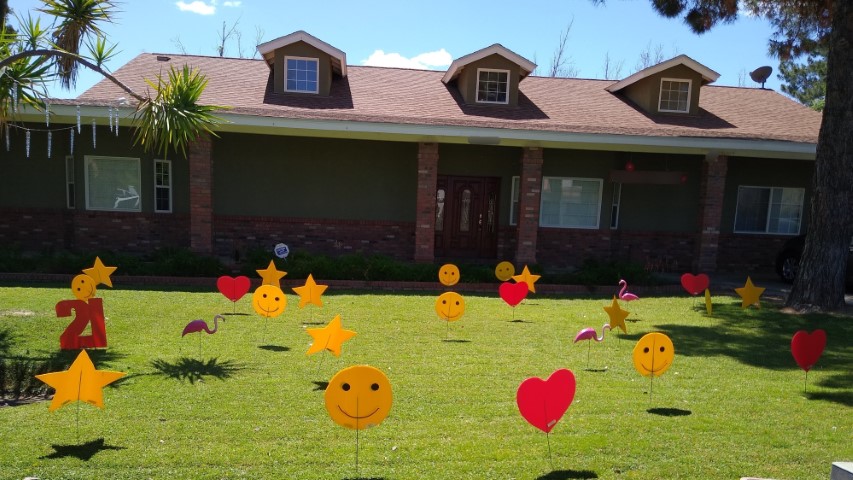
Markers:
424,61
232,4
198,7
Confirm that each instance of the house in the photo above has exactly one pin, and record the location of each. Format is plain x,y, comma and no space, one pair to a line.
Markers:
482,162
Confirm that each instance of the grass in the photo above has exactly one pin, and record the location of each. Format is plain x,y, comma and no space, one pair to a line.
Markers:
248,403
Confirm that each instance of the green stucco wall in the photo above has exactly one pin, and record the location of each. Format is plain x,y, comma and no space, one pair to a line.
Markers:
314,178
761,172
39,181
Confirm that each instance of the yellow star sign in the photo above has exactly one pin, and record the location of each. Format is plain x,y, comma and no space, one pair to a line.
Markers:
329,337
310,292
527,278
100,273
617,315
749,293
80,383
271,275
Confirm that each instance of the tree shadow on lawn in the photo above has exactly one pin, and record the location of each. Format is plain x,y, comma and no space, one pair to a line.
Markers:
193,370
567,474
7,338
274,348
83,451
762,338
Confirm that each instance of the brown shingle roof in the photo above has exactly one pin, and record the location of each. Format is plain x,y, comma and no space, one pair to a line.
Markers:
418,97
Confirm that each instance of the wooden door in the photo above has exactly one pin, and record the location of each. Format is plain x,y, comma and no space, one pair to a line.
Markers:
466,217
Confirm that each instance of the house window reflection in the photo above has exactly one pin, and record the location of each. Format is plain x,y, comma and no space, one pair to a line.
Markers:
439,210
465,214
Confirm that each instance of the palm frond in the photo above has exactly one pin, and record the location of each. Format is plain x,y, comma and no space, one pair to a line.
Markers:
174,118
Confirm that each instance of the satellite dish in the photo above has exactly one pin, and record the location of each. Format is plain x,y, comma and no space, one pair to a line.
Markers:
761,74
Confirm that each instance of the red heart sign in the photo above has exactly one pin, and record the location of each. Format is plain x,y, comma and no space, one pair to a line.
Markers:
807,348
543,402
233,288
695,284
513,293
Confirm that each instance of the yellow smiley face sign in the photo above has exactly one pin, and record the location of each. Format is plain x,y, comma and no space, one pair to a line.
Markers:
504,271
269,301
448,274
358,397
653,354
83,287
450,306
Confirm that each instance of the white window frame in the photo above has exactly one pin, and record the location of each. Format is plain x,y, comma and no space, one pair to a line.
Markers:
286,70
580,227
616,206
157,186
477,89
514,203
88,159
689,83
70,186
766,230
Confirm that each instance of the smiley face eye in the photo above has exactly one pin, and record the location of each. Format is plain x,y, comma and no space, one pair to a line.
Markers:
646,350
345,387
265,295
374,387
276,299
661,349
457,303
444,302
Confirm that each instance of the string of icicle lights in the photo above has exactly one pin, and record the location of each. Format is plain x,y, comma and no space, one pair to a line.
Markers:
112,114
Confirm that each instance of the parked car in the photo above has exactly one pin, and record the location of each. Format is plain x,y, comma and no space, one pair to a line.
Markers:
788,259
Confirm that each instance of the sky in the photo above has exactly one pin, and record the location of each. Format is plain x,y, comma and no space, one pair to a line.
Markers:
430,34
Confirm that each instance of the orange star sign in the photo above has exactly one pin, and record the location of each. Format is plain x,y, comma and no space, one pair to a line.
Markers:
271,275
100,273
750,294
80,383
310,292
329,337
527,278
617,315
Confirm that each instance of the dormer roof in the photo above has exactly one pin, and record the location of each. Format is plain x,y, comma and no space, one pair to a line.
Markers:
339,58
708,75
525,65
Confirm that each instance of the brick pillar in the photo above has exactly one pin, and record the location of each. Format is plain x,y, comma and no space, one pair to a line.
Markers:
530,192
425,215
201,195
712,187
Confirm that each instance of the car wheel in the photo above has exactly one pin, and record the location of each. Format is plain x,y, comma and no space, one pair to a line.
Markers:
787,266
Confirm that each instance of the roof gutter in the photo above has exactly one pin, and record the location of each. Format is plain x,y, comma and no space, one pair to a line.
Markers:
254,124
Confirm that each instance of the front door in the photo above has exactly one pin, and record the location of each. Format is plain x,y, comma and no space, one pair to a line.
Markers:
466,221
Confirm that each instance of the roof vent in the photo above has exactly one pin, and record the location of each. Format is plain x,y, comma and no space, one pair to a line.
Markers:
761,74
163,58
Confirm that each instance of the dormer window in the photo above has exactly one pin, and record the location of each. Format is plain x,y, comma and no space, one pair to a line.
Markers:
301,75
674,95
492,86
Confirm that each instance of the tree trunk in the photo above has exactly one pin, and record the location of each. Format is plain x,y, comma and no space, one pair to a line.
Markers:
820,282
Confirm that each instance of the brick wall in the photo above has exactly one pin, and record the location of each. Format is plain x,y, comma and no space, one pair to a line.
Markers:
201,194
235,235
39,230
425,218
749,253
530,192
711,192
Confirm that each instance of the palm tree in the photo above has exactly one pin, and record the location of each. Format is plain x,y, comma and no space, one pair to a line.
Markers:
35,55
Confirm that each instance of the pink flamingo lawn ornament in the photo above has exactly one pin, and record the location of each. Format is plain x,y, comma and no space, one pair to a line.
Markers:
201,326
626,296
588,334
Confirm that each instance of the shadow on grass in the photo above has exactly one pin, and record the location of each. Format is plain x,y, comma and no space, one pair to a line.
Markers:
567,474
762,339
518,320
275,348
313,323
454,340
595,370
669,412
364,478
234,314
84,451
7,338
193,370
320,385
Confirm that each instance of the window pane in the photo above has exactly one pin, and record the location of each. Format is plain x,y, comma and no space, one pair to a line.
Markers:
752,206
439,210
674,95
301,75
162,186
570,202
513,209
492,86
465,214
112,184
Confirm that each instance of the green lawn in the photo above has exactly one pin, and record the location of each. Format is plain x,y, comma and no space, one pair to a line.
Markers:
250,405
